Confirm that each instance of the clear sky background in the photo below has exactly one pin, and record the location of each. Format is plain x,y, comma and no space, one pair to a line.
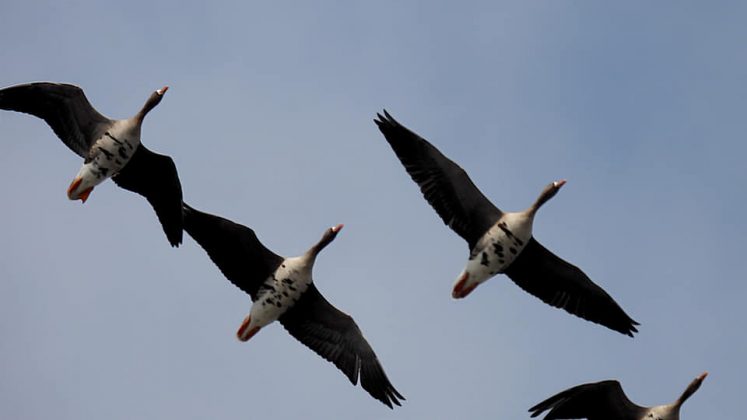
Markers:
640,105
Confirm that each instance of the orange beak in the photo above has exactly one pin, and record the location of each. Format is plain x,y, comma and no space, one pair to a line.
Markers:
83,196
244,333
459,290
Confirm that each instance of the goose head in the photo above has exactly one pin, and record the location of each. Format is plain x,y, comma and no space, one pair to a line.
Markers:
672,411
328,236
690,390
153,100
547,193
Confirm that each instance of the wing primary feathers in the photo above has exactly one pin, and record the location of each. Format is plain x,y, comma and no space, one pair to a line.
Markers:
443,183
155,177
234,248
335,336
63,107
563,285
603,400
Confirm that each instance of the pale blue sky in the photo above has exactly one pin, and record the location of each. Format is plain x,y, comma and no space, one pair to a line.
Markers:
640,105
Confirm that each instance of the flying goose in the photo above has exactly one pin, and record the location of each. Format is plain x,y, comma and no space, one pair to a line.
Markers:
111,148
606,401
500,242
282,289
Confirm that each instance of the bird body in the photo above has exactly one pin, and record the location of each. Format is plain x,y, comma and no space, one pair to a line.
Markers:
495,251
499,242
662,412
279,292
110,148
606,400
108,155
282,289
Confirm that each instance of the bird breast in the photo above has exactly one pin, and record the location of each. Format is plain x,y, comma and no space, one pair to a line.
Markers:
662,412
500,245
281,291
109,154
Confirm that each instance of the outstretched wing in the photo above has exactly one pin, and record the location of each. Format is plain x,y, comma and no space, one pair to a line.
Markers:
234,248
336,337
563,285
595,401
64,107
155,177
444,184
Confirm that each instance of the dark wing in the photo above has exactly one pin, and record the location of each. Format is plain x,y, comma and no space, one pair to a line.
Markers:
64,107
234,248
154,177
596,401
444,184
563,285
336,337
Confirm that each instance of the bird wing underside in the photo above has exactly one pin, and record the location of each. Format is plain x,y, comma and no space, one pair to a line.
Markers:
563,285
234,248
155,177
336,337
444,184
594,401
64,107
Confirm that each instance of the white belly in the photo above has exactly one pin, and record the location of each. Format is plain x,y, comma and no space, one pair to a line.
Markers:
662,412
499,247
280,292
109,154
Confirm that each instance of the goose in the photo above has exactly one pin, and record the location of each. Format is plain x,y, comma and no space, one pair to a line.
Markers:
500,242
606,401
110,148
282,289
